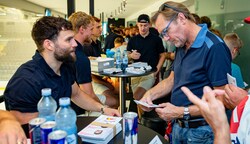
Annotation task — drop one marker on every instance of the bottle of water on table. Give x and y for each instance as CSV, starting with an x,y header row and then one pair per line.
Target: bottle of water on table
x,y
124,61
66,120
118,58
47,105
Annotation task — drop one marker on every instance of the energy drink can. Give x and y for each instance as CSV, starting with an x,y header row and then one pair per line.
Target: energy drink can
x,y
35,130
57,137
47,128
130,128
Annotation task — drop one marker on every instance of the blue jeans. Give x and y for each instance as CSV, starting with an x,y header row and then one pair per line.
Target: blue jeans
x,y
199,135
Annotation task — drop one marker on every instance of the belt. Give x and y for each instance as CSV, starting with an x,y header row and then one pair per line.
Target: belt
x,y
191,123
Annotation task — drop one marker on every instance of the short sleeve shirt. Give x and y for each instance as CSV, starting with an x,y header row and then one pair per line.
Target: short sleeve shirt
x,y
149,47
82,65
23,91
206,63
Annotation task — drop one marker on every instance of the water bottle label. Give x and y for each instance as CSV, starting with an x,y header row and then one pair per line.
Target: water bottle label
x,y
71,139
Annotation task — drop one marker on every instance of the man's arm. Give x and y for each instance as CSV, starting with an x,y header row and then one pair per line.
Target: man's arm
x,y
88,89
11,131
160,62
161,89
86,102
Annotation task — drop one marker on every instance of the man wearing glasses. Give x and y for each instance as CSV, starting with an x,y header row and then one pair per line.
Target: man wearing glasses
x,y
201,59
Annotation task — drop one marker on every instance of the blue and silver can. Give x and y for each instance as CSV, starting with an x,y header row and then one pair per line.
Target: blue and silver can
x,y
35,130
130,128
57,137
47,128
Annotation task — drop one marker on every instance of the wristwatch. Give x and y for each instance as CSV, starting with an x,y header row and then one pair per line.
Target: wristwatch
x,y
102,109
186,115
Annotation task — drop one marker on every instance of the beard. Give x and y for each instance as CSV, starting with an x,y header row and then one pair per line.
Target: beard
x,y
87,41
64,55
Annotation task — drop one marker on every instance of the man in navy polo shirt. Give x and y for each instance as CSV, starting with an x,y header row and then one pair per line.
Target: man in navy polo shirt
x,y
51,67
145,47
83,27
202,59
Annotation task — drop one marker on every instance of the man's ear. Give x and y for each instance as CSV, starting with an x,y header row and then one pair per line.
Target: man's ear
x,y
48,44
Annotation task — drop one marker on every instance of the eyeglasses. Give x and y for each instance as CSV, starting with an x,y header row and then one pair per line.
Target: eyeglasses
x,y
165,30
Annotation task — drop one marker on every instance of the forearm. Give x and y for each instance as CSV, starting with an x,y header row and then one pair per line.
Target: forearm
x,y
83,100
161,61
222,135
88,89
6,115
161,89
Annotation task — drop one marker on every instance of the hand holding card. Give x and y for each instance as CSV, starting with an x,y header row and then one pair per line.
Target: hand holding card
x,y
146,104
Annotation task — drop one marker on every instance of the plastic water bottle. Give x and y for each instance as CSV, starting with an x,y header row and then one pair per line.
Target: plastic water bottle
x,y
47,105
66,120
118,58
124,61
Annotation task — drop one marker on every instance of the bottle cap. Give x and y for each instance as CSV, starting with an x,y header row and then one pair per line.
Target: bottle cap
x,y
46,91
64,101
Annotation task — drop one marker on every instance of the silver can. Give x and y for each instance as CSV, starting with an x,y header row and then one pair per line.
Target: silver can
x,y
46,129
35,130
130,128
57,137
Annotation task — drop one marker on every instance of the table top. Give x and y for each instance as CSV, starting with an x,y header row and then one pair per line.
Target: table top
x,y
123,74
145,135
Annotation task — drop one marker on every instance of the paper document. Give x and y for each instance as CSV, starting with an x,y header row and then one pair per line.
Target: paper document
x,y
146,104
231,79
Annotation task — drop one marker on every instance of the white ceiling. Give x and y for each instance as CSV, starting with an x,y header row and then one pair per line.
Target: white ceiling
x,y
106,6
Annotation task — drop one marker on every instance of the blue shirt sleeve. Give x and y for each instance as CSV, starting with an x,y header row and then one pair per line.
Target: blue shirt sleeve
x,y
218,64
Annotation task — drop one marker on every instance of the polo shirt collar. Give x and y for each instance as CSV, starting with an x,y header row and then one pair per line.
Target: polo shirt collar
x,y
149,34
42,64
200,38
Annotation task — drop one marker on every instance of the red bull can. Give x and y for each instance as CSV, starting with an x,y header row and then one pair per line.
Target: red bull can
x,y
57,137
130,128
35,130
47,128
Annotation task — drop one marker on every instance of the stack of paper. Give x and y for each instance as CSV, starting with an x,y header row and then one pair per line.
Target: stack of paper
x,y
101,130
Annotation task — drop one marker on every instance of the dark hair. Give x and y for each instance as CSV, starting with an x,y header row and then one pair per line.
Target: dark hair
x,y
48,27
119,40
170,9
206,20
197,18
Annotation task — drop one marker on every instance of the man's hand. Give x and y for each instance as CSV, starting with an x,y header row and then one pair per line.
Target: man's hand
x,y
111,112
169,111
11,132
233,96
135,55
147,99
213,111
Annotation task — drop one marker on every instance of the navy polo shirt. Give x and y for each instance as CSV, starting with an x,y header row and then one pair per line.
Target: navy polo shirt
x,y
149,47
206,63
82,65
23,91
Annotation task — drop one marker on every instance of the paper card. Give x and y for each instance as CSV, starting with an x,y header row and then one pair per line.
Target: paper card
x,y
231,80
155,140
146,104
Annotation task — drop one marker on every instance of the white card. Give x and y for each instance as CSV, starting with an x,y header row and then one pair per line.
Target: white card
x,y
231,80
155,140
146,104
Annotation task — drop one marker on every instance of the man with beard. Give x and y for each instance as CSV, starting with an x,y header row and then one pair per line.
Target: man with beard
x,y
51,67
83,27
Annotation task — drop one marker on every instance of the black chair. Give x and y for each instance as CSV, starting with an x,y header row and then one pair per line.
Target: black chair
x,y
1,98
